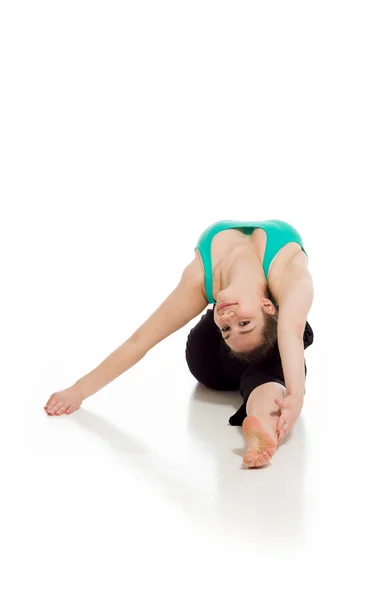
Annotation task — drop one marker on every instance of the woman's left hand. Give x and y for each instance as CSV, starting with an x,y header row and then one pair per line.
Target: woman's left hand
x,y
290,408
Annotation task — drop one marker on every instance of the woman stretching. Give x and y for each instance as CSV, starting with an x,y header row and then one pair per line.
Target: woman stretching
x,y
255,273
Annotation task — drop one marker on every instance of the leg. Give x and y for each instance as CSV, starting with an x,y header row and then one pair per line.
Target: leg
x,y
260,425
208,360
267,370
261,404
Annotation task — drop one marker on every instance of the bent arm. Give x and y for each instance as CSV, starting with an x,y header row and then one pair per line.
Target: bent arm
x,y
184,303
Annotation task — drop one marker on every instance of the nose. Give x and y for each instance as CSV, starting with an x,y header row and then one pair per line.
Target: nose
x,y
228,315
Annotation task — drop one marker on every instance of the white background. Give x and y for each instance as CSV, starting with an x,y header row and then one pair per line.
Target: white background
x,y
126,129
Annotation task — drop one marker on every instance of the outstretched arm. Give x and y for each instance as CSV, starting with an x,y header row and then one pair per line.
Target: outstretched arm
x,y
184,303
294,304
290,345
295,300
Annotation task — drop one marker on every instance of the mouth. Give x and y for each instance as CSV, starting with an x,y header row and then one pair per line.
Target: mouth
x,y
225,304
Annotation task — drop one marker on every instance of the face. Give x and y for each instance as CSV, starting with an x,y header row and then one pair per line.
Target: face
x,y
240,324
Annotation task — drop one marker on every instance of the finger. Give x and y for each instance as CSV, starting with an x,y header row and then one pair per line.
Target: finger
x,y
279,424
70,410
54,403
284,431
282,422
279,402
52,400
48,403
53,409
49,399
61,410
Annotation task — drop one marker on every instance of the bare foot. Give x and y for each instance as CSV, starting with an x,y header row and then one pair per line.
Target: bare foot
x,y
261,444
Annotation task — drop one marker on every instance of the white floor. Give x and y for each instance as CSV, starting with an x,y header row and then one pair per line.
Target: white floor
x,y
144,489
127,129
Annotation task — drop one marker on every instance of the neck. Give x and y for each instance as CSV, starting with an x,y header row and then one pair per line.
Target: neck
x,y
245,273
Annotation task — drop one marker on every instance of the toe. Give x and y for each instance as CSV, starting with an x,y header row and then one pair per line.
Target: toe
x,y
249,458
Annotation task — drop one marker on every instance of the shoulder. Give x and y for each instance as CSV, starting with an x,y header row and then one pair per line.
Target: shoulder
x,y
283,275
193,275
296,277
194,270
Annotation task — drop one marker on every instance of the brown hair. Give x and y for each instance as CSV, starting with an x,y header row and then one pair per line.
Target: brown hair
x,y
268,337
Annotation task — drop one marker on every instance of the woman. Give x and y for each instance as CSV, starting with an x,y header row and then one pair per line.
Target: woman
x,y
256,275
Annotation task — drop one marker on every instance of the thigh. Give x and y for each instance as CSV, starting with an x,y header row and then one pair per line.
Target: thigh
x,y
208,360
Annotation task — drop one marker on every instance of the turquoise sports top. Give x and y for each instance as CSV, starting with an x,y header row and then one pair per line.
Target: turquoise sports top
x,y
278,233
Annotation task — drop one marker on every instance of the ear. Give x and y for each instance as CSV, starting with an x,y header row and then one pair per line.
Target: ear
x,y
268,306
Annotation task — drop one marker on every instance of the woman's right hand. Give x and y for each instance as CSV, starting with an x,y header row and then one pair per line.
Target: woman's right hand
x,y
63,402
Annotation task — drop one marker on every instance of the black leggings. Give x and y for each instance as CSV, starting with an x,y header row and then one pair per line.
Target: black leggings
x,y
211,364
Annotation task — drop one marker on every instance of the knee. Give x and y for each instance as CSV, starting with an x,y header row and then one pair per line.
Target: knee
x,y
196,361
202,345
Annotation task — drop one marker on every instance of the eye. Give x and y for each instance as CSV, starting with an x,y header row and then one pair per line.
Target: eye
x,y
242,323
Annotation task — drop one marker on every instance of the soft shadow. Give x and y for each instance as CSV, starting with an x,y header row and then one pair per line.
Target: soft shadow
x,y
265,503
268,501
164,473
